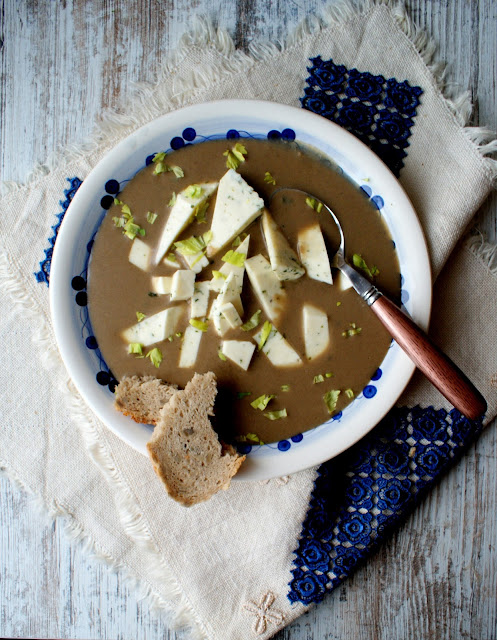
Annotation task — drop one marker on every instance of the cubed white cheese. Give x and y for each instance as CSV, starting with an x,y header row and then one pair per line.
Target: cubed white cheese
x,y
181,215
154,328
189,347
316,331
162,284
139,254
227,268
343,282
230,293
200,300
313,254
238,351
196,262
237,205
284,261
182,284
278,350
231,314
266,286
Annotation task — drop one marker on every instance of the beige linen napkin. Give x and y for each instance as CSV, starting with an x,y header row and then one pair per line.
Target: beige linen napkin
x,y
223,567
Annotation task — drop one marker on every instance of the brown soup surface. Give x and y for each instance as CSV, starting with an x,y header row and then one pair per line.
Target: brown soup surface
x,y
117,289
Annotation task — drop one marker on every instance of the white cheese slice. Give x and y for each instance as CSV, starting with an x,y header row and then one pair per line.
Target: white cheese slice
x,y
343,282
227,268
316,331
162,284
229,294
196,262
189,347
278,350
284,261
313,254
182,284
181,215
238,351
139,254
266,285
237,205
154,328
231,314
221,325
200,300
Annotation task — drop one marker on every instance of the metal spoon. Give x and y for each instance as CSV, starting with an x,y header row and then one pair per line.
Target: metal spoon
x,y
436,366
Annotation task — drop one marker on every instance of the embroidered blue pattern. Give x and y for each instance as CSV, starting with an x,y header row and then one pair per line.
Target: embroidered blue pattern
x,y
378,111
43,275
360,496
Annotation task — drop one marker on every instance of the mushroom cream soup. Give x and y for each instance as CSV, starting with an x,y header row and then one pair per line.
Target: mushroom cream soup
x,y
190,272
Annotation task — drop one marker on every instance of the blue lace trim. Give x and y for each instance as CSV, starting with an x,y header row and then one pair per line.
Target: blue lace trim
x,y
361,496
43,275
378,111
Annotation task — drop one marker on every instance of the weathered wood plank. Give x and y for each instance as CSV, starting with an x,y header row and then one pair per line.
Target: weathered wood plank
x,y
61,63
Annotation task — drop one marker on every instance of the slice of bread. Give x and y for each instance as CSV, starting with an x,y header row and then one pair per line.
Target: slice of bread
x,y
143,398
185,450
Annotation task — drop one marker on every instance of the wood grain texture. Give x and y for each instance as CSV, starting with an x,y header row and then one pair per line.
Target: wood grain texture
x,y
61,64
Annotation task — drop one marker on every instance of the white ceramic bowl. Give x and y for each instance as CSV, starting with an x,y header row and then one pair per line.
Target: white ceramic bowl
x,y
222,119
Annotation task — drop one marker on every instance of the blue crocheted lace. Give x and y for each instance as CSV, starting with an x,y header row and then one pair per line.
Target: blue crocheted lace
x,y
43,275
360,496
379,111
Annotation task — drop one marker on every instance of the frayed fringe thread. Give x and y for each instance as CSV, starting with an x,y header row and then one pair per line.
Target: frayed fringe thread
x,y
175,603
484,250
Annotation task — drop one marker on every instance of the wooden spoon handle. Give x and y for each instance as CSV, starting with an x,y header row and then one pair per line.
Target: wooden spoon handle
x,y
436,366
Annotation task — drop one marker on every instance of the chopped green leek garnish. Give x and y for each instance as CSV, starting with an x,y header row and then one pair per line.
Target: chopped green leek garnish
x,y
318,378
119,222
178,334
171,257
118,202
221,355
235,156
360,263
261,402
159,157
201,325
172,202
238,240
234,258
217,274
353,331
125,209
155,357
276,415
160,167
178,171
266,330
193,191
140,316
191,246
328,375
314,204
135,347
331,398
243,394
200,213
269,178
151,217
349,393
251,322
285,387
339,303
249,438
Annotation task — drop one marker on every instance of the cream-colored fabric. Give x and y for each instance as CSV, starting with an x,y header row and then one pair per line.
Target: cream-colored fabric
x,y
223,567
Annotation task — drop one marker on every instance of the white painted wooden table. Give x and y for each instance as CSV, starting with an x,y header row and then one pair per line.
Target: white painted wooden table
x,y
61,63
